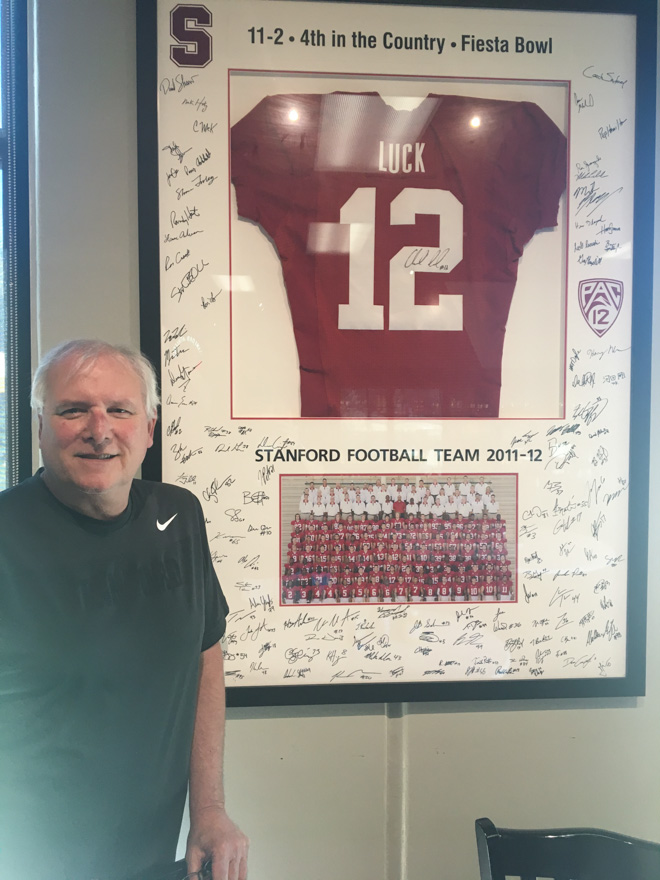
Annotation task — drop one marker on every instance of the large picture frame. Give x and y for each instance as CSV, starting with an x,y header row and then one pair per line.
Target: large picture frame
x,y
395,248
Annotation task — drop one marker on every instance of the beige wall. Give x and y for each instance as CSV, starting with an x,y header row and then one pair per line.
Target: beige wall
x,y
360,792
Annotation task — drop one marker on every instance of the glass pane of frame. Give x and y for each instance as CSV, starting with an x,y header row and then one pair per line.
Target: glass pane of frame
x,y
413,255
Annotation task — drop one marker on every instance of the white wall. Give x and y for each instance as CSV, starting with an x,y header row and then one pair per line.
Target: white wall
x,y
84,247
360,792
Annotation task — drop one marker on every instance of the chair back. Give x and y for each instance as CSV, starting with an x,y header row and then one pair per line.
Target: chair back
x,y
174,871
563,854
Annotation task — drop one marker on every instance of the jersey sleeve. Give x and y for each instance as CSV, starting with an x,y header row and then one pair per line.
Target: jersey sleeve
x,y
272,155
533,160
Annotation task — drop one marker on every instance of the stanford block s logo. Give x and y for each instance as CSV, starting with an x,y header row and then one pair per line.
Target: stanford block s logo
x,y
194,44
600,301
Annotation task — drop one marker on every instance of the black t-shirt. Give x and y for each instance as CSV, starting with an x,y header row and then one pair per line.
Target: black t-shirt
x,y
101,628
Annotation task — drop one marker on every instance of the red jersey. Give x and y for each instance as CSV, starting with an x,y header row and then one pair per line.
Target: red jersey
x,y
474,588
406,319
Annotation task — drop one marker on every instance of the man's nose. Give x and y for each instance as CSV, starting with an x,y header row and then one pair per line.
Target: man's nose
x,y
98,426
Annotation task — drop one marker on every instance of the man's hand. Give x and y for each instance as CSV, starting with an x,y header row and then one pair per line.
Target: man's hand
x,y
214,836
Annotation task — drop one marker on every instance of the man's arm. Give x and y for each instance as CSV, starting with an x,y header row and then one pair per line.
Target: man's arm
x,y
212,833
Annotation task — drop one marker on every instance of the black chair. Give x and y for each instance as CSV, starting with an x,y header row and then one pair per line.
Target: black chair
x,y
563,854
176,871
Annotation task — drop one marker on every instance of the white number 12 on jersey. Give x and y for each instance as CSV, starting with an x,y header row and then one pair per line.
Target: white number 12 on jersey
x,y
359,215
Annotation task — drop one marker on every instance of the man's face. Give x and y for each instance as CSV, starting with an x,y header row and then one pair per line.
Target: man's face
x,y
94,433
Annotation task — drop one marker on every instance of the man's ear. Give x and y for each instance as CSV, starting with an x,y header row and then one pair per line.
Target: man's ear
x,y
151,425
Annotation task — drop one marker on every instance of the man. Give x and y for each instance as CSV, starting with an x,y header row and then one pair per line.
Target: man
x,y
426,504
332,505
481,486
399,506
477,505
434,487
319,508
492,505
324,491
359,507
465,509
345,505
420,492
373,508
412,508
438,508
451,505
111,669
449,487
305,506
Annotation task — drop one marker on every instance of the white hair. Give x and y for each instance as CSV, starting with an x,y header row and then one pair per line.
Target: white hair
x,y
83,351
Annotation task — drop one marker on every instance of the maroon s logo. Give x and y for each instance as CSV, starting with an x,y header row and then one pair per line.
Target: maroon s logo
x,y
195,44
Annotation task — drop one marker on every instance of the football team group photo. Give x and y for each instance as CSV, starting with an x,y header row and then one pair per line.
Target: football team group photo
x,y
402,539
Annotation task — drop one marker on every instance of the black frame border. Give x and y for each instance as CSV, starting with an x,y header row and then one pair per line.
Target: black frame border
x,y
14,148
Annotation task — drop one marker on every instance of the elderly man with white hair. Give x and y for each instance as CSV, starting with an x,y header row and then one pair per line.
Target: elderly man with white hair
x,y
112,695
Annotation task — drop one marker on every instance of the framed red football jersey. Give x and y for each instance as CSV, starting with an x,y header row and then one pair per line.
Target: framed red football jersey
x,y
378,333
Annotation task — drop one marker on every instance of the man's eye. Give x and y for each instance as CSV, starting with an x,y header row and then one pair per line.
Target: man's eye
x,y
71,412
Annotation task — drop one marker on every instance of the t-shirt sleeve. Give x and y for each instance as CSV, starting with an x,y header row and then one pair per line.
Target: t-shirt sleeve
x,y
215,603
533,160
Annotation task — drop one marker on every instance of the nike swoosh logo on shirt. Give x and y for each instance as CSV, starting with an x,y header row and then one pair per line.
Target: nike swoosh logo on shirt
x,y
162,526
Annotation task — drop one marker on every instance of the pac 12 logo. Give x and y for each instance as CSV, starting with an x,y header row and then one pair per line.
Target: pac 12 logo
x,y
600,301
